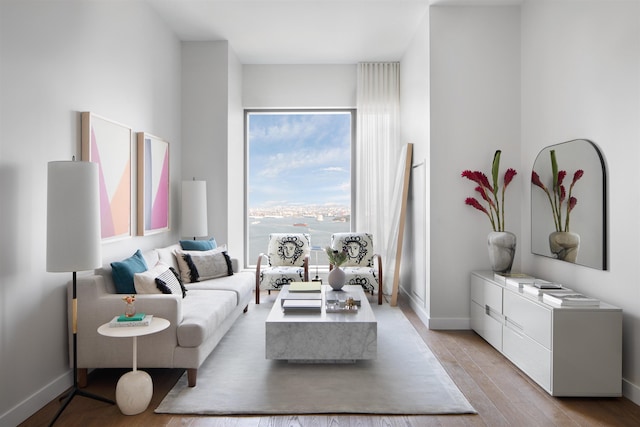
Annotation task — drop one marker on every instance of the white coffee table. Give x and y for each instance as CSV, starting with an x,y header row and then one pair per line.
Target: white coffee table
x,y
322,337
135,388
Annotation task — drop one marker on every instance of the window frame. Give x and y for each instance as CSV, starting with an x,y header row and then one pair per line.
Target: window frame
x,y
249,263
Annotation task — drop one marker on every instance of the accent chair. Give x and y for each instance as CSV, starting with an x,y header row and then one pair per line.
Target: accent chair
x,y
288,261
363,267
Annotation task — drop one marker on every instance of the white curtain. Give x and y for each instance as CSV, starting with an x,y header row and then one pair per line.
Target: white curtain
x,y
378,151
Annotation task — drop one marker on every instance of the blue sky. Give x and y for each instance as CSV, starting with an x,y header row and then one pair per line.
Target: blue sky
x,y
299,159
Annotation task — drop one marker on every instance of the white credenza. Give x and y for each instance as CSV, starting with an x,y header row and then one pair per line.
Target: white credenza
x,y
572,351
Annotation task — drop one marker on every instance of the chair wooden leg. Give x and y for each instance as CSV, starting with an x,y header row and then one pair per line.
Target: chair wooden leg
x,y
192,374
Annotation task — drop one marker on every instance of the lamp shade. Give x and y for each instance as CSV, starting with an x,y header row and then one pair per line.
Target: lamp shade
x,y
73,217
194,208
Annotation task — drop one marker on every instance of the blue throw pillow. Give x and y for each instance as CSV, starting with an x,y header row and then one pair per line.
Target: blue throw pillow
x,y
198,245
123,271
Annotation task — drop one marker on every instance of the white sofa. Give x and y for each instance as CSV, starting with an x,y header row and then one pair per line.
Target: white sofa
x,y
198,321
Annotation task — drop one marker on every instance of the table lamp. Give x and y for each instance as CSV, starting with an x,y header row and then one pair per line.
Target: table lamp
x,y
73,237
194,208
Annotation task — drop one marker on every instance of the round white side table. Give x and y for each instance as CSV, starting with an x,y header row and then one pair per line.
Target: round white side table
x,y
135,388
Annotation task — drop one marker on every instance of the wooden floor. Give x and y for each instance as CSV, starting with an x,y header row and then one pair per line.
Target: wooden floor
x,y
502,395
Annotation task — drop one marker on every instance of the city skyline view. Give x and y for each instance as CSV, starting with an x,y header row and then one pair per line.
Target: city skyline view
x,y
299,163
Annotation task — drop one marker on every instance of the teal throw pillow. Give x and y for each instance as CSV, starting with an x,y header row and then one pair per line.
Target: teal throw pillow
x,y
198,245
123,271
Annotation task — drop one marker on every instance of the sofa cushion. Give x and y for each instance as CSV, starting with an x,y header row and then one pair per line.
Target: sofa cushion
x,y
124,270
242,284
159,279
203,312
196,266
198,245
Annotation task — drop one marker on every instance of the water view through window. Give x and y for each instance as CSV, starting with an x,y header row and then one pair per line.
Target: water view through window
x,y
298,177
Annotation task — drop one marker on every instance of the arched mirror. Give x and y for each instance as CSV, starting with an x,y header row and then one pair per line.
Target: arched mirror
x,y
568,204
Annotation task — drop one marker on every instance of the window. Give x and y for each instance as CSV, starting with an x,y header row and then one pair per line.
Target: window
x,y
299,167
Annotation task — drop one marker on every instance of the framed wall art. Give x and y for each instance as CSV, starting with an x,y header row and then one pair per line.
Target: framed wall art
x,y
109,144
153,184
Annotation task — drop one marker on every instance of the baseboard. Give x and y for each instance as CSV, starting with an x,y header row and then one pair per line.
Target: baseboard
x,y
444,323
631,391
37,400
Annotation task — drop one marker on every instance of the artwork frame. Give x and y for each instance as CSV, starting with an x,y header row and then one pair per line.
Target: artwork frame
x,y
109,144
153,184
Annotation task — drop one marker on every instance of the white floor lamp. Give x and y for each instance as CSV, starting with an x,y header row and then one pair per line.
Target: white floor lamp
x,y
73,237
194,208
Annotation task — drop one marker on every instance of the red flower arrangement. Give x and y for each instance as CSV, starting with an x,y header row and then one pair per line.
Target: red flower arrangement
x,y
558,194
489,192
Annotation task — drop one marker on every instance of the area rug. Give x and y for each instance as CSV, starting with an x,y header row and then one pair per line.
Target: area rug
x,y
236,379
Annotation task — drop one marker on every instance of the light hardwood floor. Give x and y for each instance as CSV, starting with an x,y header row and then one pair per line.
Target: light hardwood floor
x,y
502,395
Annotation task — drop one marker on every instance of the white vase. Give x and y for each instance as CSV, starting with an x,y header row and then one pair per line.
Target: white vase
x,y
564,245
336,278
502,250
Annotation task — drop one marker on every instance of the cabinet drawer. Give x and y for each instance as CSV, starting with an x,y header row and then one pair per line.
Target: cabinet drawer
x,y
528,355
528,318
486,293
487,324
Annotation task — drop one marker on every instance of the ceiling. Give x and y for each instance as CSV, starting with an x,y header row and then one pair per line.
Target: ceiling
x,y
299,31
305,31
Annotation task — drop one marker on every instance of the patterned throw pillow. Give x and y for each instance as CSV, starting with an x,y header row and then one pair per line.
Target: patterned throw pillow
x,y
160,279
169,283
196,266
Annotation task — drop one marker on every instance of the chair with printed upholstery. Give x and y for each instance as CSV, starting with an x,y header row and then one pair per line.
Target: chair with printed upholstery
x,y
363,266
288,261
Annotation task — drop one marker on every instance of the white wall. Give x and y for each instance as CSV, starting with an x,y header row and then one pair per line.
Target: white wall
x,y
299,86
205,130
115,59
415,128
581,79
475,110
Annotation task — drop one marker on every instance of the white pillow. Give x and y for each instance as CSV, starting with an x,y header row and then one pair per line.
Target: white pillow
x,y
158,280
196,266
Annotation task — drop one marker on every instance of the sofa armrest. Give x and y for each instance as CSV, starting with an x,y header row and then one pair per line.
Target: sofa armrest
x,y
97,306
100,306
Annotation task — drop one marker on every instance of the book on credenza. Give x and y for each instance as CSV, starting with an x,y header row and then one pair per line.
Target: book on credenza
x,y
305,287
291,305
145,320
569,299
502,277
538,292
518,282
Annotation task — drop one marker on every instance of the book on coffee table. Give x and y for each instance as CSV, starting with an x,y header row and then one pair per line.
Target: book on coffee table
x,y
287,295
307,305
305,287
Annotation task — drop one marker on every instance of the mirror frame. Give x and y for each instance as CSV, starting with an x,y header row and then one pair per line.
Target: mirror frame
x,y
571,156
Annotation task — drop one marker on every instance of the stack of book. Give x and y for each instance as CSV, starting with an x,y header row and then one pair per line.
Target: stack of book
x,y
502,277
302,297
539,289
517,283
568,299
312,287
138,319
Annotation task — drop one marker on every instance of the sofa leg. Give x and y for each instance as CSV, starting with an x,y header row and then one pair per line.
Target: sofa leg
x,y
192,374
246,309
82,377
